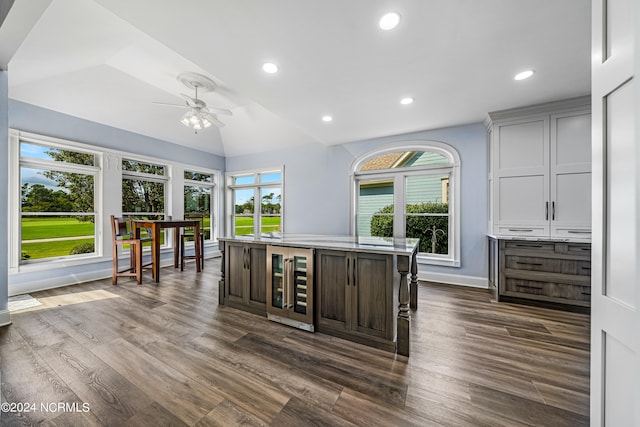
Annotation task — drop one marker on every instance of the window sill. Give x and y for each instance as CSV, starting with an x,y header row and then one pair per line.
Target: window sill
x,y
445,262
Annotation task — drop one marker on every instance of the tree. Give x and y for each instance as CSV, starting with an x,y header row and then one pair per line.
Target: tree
x,y
140,195
38,198
80,187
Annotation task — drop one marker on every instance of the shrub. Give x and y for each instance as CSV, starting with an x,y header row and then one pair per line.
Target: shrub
x,y
421,227
84,248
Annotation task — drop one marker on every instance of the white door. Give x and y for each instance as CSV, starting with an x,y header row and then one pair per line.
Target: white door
x,y
615,319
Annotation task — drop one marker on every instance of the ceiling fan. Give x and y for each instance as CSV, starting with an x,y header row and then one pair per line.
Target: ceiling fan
x,y
198,115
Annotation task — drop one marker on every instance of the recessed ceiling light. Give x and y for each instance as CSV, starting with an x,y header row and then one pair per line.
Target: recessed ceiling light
x,y
389,21
524,75
406,101
269,67
327,118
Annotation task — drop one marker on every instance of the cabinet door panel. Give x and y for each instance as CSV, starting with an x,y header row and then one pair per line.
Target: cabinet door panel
x,y
257,273
571,140
522,200
572,200
372,291
331,281
523,146
235,275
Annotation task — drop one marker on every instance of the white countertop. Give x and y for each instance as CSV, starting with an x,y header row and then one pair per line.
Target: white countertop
x,y
385,245
539,238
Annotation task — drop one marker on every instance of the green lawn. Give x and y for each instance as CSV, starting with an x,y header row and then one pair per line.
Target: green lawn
x,y
244,224
51,249
50,227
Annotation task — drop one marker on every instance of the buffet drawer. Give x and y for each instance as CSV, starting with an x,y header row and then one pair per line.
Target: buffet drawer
x,y
548,291
550,265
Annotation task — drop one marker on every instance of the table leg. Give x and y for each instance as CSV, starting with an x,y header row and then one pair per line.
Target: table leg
x,y
196,244
176,246
155,252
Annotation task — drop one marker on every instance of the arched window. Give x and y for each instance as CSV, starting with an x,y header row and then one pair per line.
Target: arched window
x,y
411,190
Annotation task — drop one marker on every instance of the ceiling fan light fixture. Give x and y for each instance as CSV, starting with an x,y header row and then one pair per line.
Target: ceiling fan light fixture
x,y
205,122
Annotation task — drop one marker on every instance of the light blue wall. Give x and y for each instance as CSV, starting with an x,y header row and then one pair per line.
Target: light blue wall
x,y
4,186
317,188
30,118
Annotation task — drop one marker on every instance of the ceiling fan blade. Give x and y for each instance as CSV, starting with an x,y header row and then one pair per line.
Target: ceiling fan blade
x,y
191,102
213,119
220,111
171,105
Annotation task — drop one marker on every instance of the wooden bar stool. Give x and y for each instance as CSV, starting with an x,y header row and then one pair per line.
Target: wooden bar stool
x,y
122,234
188,234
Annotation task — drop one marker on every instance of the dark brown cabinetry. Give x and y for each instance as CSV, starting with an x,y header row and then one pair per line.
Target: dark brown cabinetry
x,y
549,273
355,295
245,277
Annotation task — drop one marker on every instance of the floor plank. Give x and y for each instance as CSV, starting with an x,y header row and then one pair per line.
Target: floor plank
x,y
168,354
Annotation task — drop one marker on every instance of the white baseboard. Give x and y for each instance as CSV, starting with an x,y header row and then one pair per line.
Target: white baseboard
x,y
5,318
454,279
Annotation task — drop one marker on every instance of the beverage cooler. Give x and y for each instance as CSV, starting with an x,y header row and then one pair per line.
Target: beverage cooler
x,y
290,286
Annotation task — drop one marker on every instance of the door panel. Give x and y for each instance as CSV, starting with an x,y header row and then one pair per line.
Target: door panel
x,y
257,276
235,275
332,280
371,304
615,319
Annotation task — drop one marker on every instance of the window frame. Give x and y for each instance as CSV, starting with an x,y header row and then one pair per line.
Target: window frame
x,y
398,176
150,177
15,214
213,235
257,186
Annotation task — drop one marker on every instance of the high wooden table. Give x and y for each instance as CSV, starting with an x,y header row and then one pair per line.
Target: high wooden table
x,y
176,224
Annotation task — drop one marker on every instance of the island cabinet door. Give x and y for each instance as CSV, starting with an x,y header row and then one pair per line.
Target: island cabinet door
x,y
245,277
371,286
331,290
235,272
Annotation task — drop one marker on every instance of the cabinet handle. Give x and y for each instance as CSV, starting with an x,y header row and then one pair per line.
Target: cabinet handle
x,y
354,272
587,294
528,263
528,246
529,287
285,289
586,268
244,258
348,275
578,232
546,211
521,229
553,211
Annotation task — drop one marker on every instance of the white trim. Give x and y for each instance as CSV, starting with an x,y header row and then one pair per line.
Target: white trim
x,y
5,318
454,279
230,211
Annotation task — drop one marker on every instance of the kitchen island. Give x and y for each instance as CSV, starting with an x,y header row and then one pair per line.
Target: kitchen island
x,y
355,288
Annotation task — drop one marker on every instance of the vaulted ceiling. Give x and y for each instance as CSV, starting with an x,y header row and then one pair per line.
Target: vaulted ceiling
x,y
108,61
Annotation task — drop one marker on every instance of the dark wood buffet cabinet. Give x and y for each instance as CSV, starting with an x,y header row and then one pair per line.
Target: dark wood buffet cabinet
x,y
550,273
356,289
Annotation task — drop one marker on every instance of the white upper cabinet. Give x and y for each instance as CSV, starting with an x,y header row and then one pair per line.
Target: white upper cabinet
x,y
541,170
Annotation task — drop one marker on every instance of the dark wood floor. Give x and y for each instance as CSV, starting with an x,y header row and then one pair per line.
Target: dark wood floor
x,y
169,355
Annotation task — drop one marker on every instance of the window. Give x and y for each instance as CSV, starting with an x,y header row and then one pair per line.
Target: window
x,y
198,199
143,191
256,199
57,201
411,191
